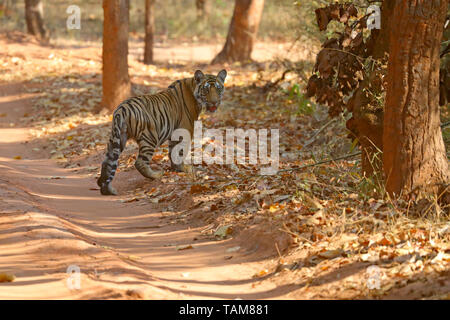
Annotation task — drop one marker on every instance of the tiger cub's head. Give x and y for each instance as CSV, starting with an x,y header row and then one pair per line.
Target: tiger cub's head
x,y
209,89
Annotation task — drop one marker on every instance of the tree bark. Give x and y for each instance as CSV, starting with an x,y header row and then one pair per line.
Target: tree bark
x,y
414,156
242,32
34,17
116,81
444,98
202,11
149,31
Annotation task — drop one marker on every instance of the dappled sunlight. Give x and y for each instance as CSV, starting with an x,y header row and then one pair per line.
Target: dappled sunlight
x,y
313,229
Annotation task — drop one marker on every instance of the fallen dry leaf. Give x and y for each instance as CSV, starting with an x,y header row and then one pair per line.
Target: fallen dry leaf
x,y
5,277
184,247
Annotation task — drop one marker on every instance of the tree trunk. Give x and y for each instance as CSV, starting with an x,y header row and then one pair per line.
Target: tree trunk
x,y
149,30
414,156
116,82
444,98
34,13
202,11
242,32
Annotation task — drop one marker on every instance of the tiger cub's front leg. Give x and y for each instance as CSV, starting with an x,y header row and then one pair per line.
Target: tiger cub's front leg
x,y
182,167
147,144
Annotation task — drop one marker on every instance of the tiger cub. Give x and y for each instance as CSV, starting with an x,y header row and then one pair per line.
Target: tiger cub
x,y
151,119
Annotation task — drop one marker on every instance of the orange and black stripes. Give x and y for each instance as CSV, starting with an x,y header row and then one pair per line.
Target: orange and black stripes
x,y
151,120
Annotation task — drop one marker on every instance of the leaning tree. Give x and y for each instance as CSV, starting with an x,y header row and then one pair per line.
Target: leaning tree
x,y
202,9
242,31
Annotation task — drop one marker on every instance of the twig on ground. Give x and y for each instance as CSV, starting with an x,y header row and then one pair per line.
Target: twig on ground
x,y
260,175
312,139
284,170
270,85
321,162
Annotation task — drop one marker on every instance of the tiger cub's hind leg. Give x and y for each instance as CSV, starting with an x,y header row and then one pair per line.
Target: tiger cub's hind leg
x,y
147,144
116,145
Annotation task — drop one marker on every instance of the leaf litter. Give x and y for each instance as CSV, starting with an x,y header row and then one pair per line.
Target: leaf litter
x,y
322,209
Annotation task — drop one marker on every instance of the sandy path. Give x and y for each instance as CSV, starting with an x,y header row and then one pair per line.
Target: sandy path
x,y
122,249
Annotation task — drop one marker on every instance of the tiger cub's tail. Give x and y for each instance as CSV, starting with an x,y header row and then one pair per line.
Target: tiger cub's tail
x,y
116,144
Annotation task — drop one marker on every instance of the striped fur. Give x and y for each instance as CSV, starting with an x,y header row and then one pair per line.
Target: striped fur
x,y
151,119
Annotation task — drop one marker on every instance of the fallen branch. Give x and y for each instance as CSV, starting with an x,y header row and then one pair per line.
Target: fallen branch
x,y
313,138
260,175
284,170
321,162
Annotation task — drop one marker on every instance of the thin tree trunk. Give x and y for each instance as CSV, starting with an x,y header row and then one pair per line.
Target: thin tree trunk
x,y
242,32
149,31
116,82
202,11
34,17
414,156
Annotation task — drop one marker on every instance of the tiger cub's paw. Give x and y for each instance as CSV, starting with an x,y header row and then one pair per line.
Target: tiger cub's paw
x,y
146,171
107,190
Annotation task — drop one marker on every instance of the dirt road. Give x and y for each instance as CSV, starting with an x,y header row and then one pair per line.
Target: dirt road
x,y
53,218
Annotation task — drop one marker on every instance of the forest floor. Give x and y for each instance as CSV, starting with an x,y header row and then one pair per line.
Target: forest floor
x,y
318,233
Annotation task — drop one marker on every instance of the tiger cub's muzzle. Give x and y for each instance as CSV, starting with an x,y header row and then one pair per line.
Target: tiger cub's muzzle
x,y
212,106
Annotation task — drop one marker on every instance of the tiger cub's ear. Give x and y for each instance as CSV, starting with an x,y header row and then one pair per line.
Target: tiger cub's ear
x,y
222,75
198,76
